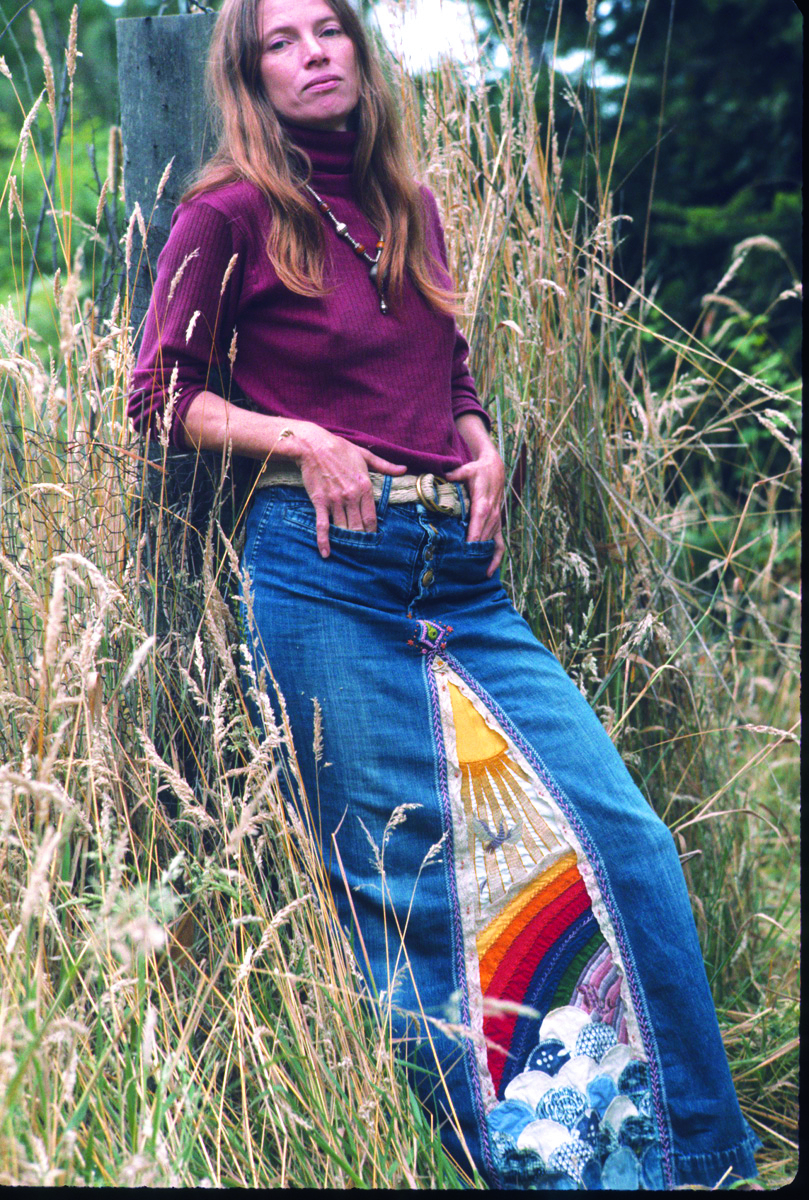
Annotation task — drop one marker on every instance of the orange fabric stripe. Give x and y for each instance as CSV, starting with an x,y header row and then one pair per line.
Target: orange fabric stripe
x,y
490,934
496,953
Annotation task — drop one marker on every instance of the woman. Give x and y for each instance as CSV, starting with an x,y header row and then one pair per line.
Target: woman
x,y
527,872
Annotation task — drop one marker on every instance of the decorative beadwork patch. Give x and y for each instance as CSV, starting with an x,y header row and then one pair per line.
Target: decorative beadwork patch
x,y
431,636
561,1062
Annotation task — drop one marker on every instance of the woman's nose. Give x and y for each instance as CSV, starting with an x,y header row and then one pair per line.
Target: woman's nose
x,y
313,49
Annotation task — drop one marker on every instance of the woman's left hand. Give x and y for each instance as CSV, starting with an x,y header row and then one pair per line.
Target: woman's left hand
x,y
485,477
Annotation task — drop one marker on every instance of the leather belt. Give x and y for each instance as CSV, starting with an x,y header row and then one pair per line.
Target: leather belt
x,y
433,491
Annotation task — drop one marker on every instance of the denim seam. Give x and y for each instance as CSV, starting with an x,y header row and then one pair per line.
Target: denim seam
x,y
259,534
460,957
650,1043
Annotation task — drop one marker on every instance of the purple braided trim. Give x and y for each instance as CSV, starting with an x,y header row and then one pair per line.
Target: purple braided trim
x,y
460,956
595,863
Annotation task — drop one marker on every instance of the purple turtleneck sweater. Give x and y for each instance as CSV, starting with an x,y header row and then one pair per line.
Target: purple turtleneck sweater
x,y
392,383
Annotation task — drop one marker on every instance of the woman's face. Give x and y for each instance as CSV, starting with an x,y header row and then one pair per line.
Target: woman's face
x,y
308,64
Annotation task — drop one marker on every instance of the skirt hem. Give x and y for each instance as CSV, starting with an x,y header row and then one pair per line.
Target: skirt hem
x,y
729,1166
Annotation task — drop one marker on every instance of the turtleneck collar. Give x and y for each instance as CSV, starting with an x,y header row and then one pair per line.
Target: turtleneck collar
x,y
331,153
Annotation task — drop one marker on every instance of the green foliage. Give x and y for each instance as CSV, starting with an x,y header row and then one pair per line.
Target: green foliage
x,y
96,87
82,161
91,99
708,150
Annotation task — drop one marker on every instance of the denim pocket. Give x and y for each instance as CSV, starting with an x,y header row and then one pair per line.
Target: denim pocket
x,y
483,549
302,516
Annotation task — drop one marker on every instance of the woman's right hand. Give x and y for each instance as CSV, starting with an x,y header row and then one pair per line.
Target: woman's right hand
x,y
334,470
335,475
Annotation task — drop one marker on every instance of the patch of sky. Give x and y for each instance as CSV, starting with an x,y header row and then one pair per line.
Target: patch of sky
x,y
577,63
424,33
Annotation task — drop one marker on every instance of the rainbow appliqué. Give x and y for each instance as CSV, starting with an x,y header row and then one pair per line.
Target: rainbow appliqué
x,y
563,1076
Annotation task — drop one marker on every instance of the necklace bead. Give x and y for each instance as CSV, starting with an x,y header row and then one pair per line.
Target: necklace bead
x,y
341,229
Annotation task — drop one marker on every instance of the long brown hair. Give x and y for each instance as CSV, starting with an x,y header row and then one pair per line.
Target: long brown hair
x,y
254,145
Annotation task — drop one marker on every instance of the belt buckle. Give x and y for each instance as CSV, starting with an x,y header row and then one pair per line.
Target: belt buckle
x,y
427,501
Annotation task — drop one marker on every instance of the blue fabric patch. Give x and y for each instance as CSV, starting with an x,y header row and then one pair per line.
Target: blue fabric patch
x,y
565,1105
634,1079
569,1158
621,1171
517,1168
587,1128
651,1170
595,1040
501,1143
601,1091
591,1175
511,1117
596,1158
637,1133
607,1141
549,1056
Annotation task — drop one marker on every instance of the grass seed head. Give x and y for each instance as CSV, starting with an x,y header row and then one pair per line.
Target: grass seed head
x,y
47,65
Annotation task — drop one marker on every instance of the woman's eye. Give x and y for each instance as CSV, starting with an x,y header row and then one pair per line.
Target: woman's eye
x,y
331,31
276,45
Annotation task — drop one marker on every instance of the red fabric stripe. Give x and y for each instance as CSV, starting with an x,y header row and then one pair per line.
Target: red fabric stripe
x,y
513,977
493,957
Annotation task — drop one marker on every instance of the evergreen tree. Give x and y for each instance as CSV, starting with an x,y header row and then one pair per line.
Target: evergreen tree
x,y
711,133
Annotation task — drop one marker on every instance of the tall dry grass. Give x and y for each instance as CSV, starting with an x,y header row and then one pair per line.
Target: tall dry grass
x,y
178,1003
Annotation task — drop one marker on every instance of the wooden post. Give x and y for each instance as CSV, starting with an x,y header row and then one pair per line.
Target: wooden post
x,y
161,73
164,116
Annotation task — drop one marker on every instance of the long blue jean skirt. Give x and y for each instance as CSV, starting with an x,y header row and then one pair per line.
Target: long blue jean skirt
x,y
522,913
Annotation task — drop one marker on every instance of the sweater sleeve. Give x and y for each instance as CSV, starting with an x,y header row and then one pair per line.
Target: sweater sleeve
x,y
464,393
191,318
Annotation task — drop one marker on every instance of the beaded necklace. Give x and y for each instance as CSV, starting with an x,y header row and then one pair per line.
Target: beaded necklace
x,y
341,229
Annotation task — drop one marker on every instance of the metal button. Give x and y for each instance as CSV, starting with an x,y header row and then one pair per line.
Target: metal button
x,y
427,577
429,553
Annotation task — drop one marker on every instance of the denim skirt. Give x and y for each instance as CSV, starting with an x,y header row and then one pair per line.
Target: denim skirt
x,y
517,907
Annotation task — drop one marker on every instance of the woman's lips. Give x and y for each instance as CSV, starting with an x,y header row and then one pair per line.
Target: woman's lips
x,y
322,85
